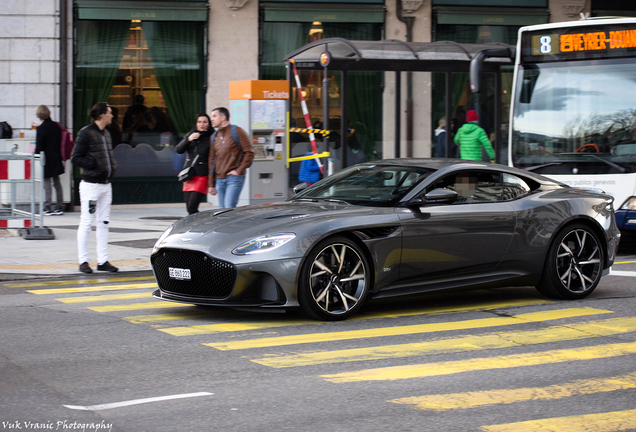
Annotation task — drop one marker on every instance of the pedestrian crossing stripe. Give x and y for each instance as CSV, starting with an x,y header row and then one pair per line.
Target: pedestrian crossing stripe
x,y
467,343
86,299
406,330
93,289
603,422
263,324
581,387
77,282
485,363
138,306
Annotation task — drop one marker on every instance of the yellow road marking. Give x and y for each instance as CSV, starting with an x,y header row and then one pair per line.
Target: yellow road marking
x,y
500,362
139,319
442,402
625,262
452,345
86,299
93,288
138,306
404,330
77,282
604,422
257,325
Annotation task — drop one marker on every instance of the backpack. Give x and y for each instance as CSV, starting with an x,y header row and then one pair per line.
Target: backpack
x,y
6,131
66,143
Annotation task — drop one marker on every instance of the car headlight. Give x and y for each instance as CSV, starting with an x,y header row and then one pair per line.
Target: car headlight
x,y
263,244
161,238
630,204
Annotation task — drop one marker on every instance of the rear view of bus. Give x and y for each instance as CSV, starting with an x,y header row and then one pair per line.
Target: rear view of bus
x,y
573,114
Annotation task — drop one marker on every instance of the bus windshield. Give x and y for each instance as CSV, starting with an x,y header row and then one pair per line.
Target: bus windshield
x,y
575,117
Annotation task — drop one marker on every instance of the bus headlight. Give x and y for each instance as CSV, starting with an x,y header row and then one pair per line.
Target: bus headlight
x,y
630,204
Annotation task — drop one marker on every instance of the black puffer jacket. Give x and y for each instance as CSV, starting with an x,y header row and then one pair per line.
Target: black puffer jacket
x,y
93,152
199,146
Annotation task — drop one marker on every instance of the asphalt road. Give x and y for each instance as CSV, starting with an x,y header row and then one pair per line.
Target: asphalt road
x,y
97,353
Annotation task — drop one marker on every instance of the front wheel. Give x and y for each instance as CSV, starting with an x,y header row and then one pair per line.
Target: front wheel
x,y
334,281
574,264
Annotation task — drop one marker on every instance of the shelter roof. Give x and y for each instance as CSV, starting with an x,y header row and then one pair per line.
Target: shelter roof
x,y
396,55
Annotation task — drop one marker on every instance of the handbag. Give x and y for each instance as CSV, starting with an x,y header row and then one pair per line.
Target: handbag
x,y
187,173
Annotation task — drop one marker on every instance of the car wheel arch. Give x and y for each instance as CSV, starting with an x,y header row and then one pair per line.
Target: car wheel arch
x,y
354,238
590,223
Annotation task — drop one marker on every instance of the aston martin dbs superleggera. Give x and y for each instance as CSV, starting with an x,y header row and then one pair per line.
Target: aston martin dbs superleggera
x,y
388,228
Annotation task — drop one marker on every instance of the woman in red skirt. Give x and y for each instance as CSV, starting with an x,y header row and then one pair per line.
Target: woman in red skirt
x,y
196,143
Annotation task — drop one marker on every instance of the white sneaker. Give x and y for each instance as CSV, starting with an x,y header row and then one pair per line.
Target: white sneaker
x,y
57,212
47,212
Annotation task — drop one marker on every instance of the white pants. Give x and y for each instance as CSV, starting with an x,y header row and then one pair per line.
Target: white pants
x,y
102,195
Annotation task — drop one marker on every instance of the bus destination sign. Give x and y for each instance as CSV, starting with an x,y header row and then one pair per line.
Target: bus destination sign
x,y
566,43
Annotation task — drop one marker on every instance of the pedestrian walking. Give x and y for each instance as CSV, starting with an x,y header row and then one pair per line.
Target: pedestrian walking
x,y
93,153
196,144
470,138
230,155
48,139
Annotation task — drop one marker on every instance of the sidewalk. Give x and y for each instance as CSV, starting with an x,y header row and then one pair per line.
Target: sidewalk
x,y
133,232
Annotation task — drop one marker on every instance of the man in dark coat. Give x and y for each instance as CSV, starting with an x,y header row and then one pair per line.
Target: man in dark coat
x,y
48,140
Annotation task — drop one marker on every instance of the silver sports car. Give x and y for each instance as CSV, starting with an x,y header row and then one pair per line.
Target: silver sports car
x,y
388,228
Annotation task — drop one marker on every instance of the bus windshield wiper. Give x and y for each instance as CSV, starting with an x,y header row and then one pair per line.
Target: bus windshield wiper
x,y
610,163
561,162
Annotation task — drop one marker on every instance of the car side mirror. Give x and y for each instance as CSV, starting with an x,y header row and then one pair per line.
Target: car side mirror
x,y
299,187
441,196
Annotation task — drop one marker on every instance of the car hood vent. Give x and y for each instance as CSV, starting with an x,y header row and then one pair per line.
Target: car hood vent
x,y
284,215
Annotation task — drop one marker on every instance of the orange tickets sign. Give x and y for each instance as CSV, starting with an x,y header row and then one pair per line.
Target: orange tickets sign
x,y
259,89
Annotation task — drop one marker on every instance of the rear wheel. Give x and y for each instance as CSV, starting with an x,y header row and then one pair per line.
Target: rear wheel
x,y
574,264
334,280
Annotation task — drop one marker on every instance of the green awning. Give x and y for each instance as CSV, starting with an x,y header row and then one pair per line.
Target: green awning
x,y
144,11
299,12
491,16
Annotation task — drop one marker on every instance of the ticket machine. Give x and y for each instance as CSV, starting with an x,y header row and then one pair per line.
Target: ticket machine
x,y
259,107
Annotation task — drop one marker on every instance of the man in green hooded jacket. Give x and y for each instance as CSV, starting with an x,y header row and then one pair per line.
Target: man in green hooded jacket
x,y
470,137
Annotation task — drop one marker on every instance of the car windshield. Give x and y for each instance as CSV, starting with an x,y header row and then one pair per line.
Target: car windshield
x,y
367,184
575,113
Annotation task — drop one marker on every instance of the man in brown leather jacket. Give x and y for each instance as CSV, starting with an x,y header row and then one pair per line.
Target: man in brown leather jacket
x,y
228,160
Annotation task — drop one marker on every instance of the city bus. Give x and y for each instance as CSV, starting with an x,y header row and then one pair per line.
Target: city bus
x,y
573,107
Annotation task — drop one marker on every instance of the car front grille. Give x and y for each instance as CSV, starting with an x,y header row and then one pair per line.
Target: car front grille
x,y
210,278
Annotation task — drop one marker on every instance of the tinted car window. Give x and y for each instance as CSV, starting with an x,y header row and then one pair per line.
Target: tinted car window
x,y
473,186
514,187
367,184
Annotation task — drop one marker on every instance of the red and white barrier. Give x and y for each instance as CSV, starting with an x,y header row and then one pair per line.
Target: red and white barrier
x,y
15,169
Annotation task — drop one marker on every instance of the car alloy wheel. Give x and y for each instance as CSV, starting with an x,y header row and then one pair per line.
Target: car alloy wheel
x,y
335,280
575,264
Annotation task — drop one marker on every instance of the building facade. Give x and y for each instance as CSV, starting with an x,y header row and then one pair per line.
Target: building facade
x,y
159,63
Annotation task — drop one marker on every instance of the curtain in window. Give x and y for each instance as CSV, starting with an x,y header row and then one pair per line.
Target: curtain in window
x,y
175,50
279,39
100,46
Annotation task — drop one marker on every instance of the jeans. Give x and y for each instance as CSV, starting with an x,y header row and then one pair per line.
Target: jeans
x,y
102,196
229,189
48,193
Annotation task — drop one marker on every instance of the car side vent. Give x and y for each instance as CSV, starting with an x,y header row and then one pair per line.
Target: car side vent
x,y
378,232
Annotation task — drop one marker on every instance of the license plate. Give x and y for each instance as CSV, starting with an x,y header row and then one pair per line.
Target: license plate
x,y
179,273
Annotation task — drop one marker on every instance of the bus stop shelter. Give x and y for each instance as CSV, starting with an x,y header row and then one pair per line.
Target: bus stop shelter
x,y
447,57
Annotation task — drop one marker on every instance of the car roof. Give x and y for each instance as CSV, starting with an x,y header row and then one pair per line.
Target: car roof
x,y
450,165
